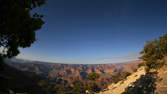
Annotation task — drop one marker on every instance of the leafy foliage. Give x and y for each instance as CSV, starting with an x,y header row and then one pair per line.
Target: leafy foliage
x,y
140,65
92,86
18,25
93,76
154,51
78,88
17,29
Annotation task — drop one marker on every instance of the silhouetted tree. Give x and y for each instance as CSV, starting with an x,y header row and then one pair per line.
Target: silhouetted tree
x,y
17,29
18,25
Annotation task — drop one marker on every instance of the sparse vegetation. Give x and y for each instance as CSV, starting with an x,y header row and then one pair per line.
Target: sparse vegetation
x,y
78,88
92,86
118,77
140,65
145,85
93,76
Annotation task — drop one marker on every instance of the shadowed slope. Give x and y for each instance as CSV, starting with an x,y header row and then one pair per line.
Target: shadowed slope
x,y
16,81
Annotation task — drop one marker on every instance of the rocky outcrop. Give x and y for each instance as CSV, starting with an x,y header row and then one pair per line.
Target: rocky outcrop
x,y
120,87
153,81
161,84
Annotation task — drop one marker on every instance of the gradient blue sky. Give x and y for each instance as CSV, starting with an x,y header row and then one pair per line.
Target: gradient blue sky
x,y
96,31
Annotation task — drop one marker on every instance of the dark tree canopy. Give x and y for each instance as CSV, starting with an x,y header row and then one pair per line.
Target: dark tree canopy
x,y
78,88
154,52
92,86
18,25
93,76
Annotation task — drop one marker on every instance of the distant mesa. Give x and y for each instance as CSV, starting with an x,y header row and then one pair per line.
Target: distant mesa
x,y
73,72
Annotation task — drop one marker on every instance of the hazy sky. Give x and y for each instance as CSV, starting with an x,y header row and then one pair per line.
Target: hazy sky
x,y
96,31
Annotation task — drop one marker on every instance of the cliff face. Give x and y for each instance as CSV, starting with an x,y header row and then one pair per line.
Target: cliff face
x,y
161,84
141,82
119,88
161,87
69,73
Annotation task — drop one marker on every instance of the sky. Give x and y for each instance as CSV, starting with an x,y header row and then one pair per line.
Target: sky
x,y
96,31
